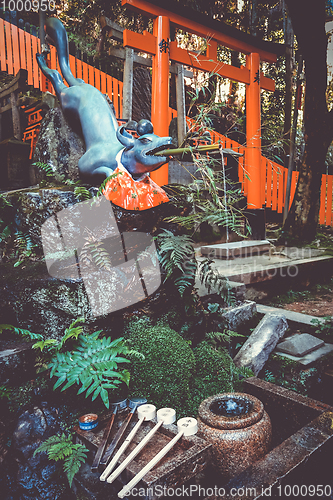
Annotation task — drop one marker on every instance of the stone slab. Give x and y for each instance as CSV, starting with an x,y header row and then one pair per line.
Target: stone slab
x,y
236,316
296,317
257,348
310,358
247,248
300,345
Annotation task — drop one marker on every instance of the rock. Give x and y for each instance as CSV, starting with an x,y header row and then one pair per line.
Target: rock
x,y
87,485
33,208
237,316
300,345
256,350
32,299
59,146
34,477
16,362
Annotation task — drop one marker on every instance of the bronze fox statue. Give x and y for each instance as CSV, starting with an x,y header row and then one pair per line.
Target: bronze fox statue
x,y
106,143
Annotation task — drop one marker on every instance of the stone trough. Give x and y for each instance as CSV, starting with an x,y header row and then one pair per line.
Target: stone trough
x,y
302,441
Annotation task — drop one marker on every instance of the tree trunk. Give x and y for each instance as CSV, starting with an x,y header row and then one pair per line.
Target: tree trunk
x,y
309,25
290,63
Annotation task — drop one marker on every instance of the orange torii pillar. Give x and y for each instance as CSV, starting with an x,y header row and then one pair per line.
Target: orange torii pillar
x,y
160,89
255,187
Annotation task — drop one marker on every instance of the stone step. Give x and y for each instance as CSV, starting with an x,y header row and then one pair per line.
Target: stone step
x,y
291,316
249,270
236,249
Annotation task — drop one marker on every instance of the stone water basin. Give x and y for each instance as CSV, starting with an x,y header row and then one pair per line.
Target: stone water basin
x,y
301,451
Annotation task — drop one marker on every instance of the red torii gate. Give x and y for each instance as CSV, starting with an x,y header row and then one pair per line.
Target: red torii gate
x,y
163,50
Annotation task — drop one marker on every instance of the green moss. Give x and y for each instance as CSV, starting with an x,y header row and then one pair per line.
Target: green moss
x,y
164,375
215,373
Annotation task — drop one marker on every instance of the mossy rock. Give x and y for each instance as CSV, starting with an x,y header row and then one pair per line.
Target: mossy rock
x,y
163,377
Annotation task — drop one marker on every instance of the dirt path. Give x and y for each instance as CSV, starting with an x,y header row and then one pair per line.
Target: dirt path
x,y
315,307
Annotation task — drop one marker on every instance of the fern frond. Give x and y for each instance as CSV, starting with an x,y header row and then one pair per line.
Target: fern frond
x,y
74,461
26,334
47,344
94,251
72,332
93,365
176,254
214,280
81,193
45,167
55,446
5,233
104,183
60,447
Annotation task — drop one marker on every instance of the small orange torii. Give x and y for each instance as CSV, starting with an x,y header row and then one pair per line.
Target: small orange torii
x,y
163,50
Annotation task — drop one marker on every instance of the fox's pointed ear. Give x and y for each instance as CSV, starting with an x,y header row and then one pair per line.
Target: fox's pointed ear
x,y
125,138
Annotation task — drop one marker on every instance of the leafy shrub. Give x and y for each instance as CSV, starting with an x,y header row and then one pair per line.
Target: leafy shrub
x,y
324,328
163,376
93,365
215,373
92,362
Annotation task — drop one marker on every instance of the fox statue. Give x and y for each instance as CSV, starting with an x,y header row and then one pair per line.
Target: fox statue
x,y
107,144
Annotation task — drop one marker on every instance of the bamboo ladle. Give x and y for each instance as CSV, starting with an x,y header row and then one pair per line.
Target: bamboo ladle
x,y
164,416
146,412
186,427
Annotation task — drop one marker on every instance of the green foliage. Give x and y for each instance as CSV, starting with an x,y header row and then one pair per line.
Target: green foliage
x,y
26,334
81,193
214,280
94,251
218,338
104,183
176,255
52,176
93,365
4,392
91,362
13,242
214,373
62,448
45,167
163,376
24,246
208,202
324,328
174,251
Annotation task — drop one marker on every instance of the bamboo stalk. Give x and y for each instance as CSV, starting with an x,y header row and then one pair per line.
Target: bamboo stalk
x,y
196,149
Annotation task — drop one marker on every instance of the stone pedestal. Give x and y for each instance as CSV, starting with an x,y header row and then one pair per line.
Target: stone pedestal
x,y
14,164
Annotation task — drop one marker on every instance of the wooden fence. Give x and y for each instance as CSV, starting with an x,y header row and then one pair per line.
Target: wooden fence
x,y
274,179
18,46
